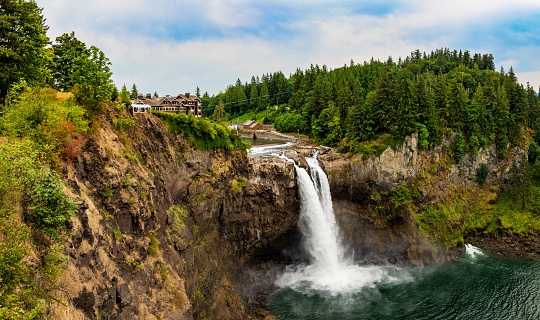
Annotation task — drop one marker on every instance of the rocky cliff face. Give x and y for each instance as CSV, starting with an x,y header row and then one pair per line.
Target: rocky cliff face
x,y
357,184
160,224
163,230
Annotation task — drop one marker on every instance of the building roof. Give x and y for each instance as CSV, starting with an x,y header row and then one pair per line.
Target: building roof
x,y
181,98
248,123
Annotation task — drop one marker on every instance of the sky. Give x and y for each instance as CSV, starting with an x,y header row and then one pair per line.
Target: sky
x,y
175,46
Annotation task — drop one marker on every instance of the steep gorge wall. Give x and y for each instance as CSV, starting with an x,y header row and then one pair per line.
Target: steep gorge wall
x,y
358,183
159,224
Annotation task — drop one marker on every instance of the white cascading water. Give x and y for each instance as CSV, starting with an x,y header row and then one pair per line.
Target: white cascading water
x,y
329,269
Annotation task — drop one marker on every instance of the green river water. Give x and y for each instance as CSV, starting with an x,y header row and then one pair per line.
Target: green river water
x,y
476,286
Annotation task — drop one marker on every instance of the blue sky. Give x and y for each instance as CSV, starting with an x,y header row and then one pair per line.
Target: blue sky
x,y
173,46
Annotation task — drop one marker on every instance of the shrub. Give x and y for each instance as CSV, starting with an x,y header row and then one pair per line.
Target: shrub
x,y
127,180
50,208
124,123
203,134
55,126
106,192
423,135
21,172
482,174
154,244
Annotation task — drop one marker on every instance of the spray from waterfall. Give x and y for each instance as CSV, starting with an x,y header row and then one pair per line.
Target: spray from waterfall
x,y
329,268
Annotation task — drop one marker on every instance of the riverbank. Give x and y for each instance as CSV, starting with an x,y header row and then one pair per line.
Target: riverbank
x,y
509,245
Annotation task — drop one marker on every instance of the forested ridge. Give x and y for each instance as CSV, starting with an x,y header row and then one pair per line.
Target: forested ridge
x,y
436,94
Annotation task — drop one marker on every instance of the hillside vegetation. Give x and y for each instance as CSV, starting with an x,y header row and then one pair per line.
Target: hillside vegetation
x,y
433,94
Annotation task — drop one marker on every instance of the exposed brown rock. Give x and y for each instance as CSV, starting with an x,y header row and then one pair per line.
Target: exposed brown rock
x,y
130,183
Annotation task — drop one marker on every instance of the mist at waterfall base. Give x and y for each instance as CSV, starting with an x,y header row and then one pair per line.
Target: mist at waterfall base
x,y
331,286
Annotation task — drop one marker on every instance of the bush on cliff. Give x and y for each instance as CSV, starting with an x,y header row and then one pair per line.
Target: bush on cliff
x,y
31,193
56,126
201,133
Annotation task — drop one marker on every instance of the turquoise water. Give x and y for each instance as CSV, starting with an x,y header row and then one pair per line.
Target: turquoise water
x,y
476,286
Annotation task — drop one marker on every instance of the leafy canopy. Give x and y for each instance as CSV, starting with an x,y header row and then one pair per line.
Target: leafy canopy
x,y
23,41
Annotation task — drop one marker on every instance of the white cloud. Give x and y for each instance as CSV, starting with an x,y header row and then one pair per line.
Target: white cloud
x,y
173,67
532,77
311,32
231,13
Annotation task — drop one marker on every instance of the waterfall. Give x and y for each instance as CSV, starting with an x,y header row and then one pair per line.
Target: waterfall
x,y
329,268
317,222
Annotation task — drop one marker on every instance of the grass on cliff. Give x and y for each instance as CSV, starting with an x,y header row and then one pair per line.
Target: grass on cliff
x,y
480,210
201,133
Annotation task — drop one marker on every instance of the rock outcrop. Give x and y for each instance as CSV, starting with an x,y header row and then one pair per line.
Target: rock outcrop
x,y
164,230
160,224
357,182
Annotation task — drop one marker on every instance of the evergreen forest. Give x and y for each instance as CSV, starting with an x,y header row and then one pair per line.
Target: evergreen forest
x,y
438,94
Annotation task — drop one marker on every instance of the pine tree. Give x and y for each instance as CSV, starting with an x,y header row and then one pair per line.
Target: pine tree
x,y
457,103
441,102
423,135
219,112
254,97
503,117
263,97
382,103
124,95
344,98
520,181
490,101
68,51
134,93
406,108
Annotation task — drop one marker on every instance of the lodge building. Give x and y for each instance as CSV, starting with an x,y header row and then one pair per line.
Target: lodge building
x,y
182,103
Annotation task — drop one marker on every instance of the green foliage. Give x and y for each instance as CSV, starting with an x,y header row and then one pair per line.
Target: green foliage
x,y
23,51
52,267
23,174
533,152
482,174
459,146
176,229
124,96
124,124
49,208
83,70
154,244
106,192
520,181
134,264
423,135
439,221
201,133
55,126
443,91
127,180
400,198
239,183
291,123
134,92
